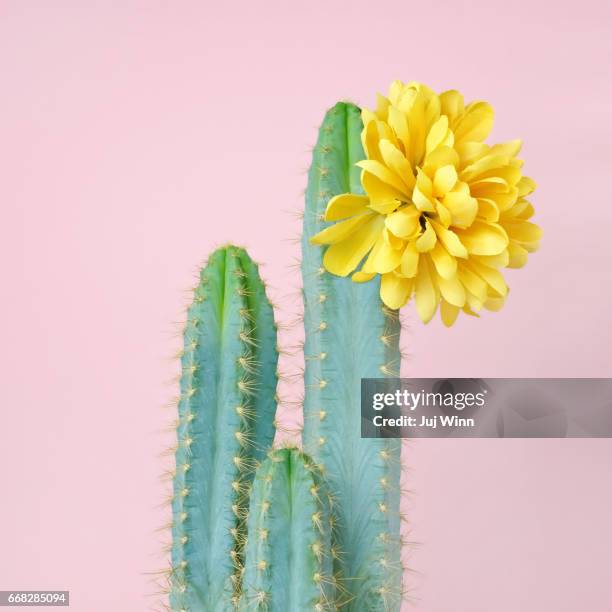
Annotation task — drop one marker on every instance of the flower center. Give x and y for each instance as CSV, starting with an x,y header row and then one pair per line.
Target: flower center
x,y
422,222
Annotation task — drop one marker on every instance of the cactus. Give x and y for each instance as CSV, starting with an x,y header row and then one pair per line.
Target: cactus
x,y
350,335
288,561
226,424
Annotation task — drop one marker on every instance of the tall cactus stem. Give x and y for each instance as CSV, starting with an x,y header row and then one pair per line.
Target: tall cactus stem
x,y
350,335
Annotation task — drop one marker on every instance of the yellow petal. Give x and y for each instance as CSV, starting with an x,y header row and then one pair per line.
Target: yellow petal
x,y
418,129
525,186
409,263
446,265
384,174
442,156
469,311
371,135
475,123
396,89
450,240
523,232
406,98
398,163
395,291
422,194
362,277
382,106
521,210
494,303
452,291
510,148
341,230
496,189
370,138
367,116
483,238
427,240
451,104
473,283
470,152
524,210
421,201
473,303
488,186
448,313
493,261
482,166
343,257
426,293
491,276
383,257
461,205
531,247
432,114
488,210
399,124
383,199
510,173
439,135
504,201
443,214
392,240
518,255
404,222
444,180
346,205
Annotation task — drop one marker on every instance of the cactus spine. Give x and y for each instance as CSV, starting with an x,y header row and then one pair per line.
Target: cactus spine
x,y
288,561
226,424
350,335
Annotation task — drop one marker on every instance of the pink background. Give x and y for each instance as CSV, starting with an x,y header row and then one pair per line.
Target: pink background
x,y
137,136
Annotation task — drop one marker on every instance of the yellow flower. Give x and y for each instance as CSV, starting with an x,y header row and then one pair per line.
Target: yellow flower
x,y
443,212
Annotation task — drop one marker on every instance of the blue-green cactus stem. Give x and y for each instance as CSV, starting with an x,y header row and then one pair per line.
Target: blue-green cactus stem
x,y
288,560
226,424
350,335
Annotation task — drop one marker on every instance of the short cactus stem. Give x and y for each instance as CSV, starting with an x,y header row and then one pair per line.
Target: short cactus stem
x,y
288,561
349,335
226,424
